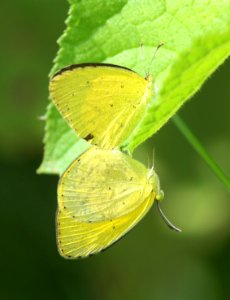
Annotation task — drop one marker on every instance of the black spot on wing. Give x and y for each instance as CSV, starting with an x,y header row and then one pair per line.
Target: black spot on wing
x,y
90,136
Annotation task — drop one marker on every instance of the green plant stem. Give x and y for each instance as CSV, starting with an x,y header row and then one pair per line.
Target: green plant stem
x,y
194,142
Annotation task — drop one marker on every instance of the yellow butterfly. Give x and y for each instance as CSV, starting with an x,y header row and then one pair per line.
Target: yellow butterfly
x,y
101,196
103,103
105,192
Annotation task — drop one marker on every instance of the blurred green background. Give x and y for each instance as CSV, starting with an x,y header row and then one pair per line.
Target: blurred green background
x,y
152,262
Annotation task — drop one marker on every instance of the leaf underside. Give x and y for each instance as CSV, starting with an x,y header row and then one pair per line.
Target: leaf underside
x,y
196,41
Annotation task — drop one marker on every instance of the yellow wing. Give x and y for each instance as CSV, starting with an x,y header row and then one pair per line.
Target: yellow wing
x,y
101,196
103,184
79,239
102,103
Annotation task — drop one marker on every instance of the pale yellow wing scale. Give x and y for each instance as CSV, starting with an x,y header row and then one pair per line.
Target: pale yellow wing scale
x,y
101,196
102,103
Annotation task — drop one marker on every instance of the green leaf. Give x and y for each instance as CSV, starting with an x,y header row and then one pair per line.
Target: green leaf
x,y
196,37
62,145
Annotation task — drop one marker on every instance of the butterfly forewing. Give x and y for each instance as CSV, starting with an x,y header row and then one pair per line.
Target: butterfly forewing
x,y
102,103
102,185
101,196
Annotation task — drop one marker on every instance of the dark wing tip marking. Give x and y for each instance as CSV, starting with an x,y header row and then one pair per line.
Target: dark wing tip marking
x,y
84,65
90,136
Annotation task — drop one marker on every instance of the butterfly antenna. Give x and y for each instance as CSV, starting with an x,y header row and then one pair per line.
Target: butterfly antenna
x,y
148,162
167,222
153,159
142,57
154,55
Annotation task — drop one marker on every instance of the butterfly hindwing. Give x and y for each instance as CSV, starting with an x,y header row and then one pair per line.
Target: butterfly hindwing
x,y
80,239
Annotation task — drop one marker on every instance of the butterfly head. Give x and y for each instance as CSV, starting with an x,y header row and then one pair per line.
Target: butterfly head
x,y
154,181
148,77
